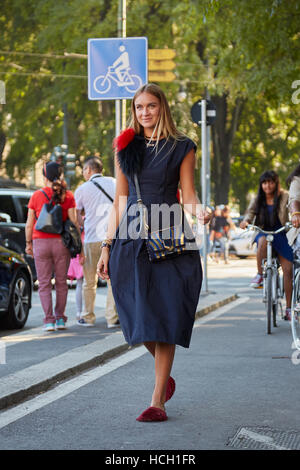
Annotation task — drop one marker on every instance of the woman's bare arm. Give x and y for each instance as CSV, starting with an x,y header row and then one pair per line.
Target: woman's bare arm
x,y
118,207
190,199
120,202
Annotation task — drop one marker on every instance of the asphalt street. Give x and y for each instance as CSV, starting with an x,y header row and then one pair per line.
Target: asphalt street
x,y
234,389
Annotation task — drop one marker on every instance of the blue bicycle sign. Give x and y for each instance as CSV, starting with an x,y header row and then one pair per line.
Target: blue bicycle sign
x,y
117,67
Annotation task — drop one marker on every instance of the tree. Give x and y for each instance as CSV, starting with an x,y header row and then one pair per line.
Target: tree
x,y
249,52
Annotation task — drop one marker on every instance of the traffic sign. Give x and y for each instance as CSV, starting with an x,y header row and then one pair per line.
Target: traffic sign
x,y
117,67
161,76
211,112
160,65
161,54
156,65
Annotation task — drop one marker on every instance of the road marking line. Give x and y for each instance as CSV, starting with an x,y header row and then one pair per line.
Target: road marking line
x,y
13,414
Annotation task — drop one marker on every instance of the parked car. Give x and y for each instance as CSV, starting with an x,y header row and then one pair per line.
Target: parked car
x,y
241,244
15,289
13,216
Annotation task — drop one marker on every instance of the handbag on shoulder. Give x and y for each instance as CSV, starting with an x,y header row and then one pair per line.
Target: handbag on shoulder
x,y
50,219
167,242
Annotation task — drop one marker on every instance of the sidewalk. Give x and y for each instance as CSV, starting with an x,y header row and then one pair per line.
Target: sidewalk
x,y
36,360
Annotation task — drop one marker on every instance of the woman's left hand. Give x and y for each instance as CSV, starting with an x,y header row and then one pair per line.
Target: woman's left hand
x,y
204,217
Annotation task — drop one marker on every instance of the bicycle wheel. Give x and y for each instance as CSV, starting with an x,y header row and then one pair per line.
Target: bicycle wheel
x,y
295,314
102,84
269,302
137,83
275,296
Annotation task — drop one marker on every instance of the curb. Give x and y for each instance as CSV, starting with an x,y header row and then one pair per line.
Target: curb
x,y
39,378
204,311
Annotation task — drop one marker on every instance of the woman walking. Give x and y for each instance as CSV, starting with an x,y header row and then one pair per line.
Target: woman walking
x,y
156,301
51,257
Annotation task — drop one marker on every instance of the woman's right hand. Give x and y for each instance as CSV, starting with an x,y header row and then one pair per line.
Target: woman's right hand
x,y
296,220
29,249
243,224
102,266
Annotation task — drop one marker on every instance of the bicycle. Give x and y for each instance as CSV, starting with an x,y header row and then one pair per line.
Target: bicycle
x,y
102,83
295,306
273,290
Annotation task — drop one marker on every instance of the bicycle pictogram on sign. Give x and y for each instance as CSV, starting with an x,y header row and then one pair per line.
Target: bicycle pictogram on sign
x,y
119,72
117,67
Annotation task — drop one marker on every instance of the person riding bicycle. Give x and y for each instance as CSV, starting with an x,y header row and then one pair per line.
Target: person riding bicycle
x,y
269,211
121,63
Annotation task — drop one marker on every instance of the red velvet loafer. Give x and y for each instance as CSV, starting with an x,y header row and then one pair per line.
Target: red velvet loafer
x,y
152,414
170,388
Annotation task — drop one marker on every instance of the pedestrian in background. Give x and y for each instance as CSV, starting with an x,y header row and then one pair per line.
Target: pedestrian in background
x,y
231,227
269,210
51,257
156,301
94,201
219,228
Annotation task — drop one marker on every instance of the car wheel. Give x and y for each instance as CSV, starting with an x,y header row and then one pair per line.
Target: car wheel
x,y
18,308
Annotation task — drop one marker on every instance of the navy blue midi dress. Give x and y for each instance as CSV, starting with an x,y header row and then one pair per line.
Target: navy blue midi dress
x,y
156,301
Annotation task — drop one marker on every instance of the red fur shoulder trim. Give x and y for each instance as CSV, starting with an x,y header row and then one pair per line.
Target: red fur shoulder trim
x,y
123,139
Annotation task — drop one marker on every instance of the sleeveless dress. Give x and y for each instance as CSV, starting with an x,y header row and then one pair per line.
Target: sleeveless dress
x,y
156,301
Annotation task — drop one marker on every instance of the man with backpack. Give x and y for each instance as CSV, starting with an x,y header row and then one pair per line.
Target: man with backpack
x,y
93,201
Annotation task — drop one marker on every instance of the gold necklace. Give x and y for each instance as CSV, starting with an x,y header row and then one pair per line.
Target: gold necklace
x,y
149,142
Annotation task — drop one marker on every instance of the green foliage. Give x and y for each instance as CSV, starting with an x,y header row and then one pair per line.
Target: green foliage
x,y
267,139
239,51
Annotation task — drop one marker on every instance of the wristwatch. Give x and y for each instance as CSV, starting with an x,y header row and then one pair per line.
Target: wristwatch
x,y
105,244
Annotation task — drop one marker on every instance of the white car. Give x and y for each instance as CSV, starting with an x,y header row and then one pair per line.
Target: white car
x,y
241,244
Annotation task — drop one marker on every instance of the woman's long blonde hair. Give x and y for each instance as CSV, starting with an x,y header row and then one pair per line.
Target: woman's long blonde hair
x,y
165,126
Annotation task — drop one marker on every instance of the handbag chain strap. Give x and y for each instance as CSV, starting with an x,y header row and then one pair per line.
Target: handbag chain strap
x,y
144,227
142,212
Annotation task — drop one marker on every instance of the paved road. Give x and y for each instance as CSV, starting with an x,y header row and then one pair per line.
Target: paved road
x,y
235,386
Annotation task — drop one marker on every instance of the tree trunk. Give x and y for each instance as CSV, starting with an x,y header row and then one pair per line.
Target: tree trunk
x,y
2,145
223,132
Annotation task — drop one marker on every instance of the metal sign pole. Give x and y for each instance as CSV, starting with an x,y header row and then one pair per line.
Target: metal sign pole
x,y
203,113
204,190
118,113
124,23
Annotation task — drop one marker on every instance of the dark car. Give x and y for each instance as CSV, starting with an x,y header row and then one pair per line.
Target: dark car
x,y
13,216
15,289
